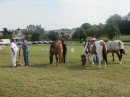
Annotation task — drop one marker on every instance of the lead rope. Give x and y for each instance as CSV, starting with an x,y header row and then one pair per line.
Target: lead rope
x,y
19,54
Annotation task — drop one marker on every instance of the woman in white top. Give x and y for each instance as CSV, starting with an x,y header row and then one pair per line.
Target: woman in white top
x,y
13,52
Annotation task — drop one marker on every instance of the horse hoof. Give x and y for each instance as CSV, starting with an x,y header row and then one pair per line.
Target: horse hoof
x,y
98,68
120,62
93,65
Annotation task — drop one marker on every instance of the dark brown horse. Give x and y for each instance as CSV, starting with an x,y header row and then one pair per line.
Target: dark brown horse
x,y
57,50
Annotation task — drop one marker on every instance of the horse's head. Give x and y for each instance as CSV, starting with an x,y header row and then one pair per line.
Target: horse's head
x,y
83,59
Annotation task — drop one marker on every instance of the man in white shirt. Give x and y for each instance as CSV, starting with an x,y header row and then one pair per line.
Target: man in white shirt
x,y
13,52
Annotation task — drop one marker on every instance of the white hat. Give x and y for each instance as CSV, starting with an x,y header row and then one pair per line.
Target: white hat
x,y
93,39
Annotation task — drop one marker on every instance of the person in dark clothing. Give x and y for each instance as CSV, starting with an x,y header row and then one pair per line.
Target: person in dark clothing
x,y
24,46
64,50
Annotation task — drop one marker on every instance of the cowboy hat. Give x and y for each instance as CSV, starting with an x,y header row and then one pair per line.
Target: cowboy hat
x,y
93,39
23,37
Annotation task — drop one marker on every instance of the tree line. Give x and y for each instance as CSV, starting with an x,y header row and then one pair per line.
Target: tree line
x,y
114,27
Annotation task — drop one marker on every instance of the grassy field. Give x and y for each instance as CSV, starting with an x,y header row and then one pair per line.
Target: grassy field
x,y
42,79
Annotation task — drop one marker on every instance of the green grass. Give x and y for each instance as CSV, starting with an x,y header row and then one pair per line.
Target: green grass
x,y
42,79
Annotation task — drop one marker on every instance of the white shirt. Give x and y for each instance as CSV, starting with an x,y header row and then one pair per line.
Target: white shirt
x,y
14,46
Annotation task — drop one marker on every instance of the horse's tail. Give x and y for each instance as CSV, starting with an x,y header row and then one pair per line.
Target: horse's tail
x,y
104,52
121,44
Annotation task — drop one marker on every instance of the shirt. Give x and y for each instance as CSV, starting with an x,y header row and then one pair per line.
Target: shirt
x,y
25,45
14,46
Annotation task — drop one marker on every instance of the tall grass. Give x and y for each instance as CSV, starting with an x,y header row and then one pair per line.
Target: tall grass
x,y
42,79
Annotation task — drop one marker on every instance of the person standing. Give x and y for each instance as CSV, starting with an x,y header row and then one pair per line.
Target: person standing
x,y
13,52
64,50
24,47
91,41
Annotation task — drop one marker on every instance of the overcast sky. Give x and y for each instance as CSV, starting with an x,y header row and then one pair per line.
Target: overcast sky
x,y
57,14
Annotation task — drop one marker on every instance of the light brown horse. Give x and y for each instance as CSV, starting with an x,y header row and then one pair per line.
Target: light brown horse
x,y
57,50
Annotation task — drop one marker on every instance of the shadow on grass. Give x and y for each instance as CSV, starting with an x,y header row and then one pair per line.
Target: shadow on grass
x,y
6,66
78,66
45,65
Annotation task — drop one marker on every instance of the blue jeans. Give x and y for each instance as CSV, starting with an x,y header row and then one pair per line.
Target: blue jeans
x,y
25,55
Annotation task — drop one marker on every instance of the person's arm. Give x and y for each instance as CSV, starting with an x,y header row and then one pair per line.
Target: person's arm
x,y
13,50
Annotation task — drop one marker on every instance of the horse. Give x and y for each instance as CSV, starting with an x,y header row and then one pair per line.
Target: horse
x,y
97,48
57,50
116,46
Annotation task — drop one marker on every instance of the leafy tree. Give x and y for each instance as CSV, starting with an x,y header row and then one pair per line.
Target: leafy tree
x,y
75,35
35,36
7,34
52,35
27,34
32,30
124,23
111,28
79,34
66,37
85,26
94,31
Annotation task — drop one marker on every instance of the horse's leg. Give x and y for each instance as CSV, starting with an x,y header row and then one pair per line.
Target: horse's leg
x,y
92,60
105,59
121,52
56,60
113,57
99,61
51,58
119,57
88,58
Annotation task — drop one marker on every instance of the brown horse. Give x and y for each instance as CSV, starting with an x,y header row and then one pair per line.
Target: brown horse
x,y
57,50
